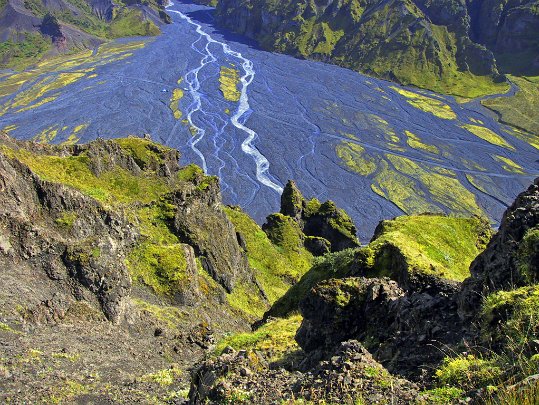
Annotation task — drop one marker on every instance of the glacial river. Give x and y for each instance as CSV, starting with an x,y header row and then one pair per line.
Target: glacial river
x,y
373,148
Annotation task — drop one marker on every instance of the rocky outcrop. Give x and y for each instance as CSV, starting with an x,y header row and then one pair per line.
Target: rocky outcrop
x,y
349,375
66,235
391,323
201,222
323,226
510,259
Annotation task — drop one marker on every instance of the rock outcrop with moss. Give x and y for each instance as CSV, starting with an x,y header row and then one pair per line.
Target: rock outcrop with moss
x,y
116,242
125,279
446,46
319,227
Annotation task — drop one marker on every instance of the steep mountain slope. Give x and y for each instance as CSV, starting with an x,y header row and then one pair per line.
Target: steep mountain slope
x,y
32,28
112,254
358,333
446,46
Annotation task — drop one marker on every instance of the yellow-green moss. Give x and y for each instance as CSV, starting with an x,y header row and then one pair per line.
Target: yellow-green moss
x,y
159,260
164,377
355,158
170,316
276,267
417,188
439,245
415,142
487,135
427,104
177,95
112,187
509,165
229,79
521,109
66,219
468,372
275,338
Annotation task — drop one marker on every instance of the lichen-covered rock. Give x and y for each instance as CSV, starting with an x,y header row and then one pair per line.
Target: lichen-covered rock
x,y
393,324
510,259
322,227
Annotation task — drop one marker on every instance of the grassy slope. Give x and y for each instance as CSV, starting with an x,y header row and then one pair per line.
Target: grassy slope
x,y
126,22
521,110
433,245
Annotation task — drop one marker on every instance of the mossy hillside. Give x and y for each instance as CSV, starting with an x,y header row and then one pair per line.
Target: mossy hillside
x,y
17,55
427,245
333,265
114,187
275,339
277,266
397,41
441,246
521,109
128,19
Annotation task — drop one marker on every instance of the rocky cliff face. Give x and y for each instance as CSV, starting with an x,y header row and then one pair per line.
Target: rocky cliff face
x,y
113,241
437,45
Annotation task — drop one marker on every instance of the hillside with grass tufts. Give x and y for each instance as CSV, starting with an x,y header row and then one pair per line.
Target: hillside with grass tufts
x,y
125,279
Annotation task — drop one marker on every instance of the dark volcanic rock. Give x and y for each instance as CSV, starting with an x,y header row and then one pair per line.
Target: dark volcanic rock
x,y
350,373
404,331
504,265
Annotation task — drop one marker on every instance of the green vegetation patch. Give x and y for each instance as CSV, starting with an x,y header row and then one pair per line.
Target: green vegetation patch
x,y
488,135
275,338
355,158
443,246
509,165
19,54
229,79
521,109
276,266
434,245
510,317
415,142
112,187
159,260
143,151
131,22
427,104
418,188
468,372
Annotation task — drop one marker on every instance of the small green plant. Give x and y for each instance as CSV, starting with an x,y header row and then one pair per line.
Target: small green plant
x,y
66,219
468,372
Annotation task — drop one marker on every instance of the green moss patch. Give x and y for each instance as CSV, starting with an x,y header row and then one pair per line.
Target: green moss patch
x,y
276,266
431,244
276,338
